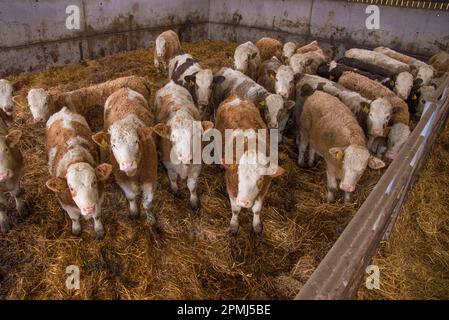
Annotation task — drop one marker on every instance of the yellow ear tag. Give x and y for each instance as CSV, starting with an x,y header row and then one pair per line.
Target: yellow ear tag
x,y
263,104
104,144
191,83
339,155
60,187
230,58
391,83
365,109
271,76
414,97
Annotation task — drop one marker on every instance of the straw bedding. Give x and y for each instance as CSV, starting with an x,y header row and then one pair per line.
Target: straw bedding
x,y
191,255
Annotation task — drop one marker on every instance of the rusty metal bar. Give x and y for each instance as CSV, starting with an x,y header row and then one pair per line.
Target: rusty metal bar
x,y
340,273
416,4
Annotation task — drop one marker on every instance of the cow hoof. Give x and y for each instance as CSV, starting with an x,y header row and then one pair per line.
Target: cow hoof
x,y
5,227
151,219
99,234
76,232
133,215
258,228
195,205
233,230
24,210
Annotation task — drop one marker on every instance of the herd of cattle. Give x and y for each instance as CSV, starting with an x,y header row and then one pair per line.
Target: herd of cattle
x,y
351,112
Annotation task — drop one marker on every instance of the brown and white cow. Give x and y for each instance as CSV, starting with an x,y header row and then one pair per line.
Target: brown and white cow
x,y
329,128
128,122
44,103
277,78
269,47
178,124
249,176
167,46
77,179
11,171
247,59
186,71
307,62
276,110
379,59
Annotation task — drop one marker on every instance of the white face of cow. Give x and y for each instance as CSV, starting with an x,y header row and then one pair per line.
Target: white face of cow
x,y
288,50
83,186
181,133
6,103
403,85
125,147
7,160
38,103
396,138
285,81
355,159
425,73
379,116
276,109
204,81
253,168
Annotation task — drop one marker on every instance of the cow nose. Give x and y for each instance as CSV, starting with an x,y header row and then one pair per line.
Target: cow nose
x,y
243,203
347,187
283,94
203,103
5,175
127,165
378,132
273,125
89,210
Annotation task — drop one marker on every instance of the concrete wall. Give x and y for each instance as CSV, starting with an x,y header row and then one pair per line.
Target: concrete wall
x,y
337,24
33,34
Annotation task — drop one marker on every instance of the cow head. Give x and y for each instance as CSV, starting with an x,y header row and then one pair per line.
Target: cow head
x,y
285,81
202,83
82,183
8,163
125,141
275,109
354,161
179,131
379,112
254,171
288,50
242,60
396,138
38,101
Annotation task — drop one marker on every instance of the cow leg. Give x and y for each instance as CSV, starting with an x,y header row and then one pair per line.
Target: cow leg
x,y
98,224
147,202
311,160
257,224
75,217
131,192
21,205
331,186
192,183
235,216
172,175
303,143
347,197
4,221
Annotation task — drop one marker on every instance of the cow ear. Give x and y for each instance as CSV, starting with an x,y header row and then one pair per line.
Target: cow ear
x,y
56,184
275,171
218,79
145,132
162,130
396,110
337,153
13,137
101,139
190,79
288,104
272,74
229,55
306,90
207,125
375,163
253,55
102,171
